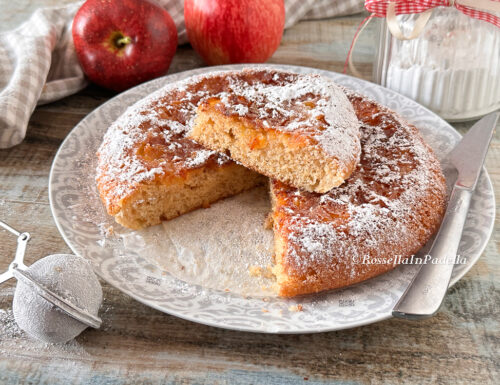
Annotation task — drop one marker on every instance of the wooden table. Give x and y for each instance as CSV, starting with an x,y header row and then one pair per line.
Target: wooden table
x,y
137,344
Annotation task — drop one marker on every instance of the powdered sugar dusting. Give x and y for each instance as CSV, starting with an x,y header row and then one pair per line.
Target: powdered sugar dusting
x,y
385,207
220,256
149,141
199,158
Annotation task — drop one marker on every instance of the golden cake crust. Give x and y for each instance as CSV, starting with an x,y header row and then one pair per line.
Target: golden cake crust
x,y
389,208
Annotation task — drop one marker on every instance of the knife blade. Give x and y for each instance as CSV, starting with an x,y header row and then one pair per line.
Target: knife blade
x,y
425,293
469,154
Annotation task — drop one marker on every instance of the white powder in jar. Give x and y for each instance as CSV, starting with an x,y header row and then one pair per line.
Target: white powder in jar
x,y
452,67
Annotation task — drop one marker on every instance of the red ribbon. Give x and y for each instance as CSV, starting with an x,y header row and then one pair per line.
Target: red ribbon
x,y
379,8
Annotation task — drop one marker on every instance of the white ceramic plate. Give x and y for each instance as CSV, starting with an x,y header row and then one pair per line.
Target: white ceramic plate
x,y
80,217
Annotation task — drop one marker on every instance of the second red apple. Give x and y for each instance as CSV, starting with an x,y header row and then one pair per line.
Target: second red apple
x,y
234,31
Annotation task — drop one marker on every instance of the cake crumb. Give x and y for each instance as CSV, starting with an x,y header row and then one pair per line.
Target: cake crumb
x,y
296,308
255,271
109,231
268,222
268,273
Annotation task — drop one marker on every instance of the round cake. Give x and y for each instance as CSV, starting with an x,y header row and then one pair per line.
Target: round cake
x,y
384,213
391,205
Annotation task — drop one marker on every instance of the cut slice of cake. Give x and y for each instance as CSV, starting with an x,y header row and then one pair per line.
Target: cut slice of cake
x,y
384,213
298,129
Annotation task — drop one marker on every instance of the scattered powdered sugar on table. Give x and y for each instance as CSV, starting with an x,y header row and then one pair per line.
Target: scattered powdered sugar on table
x,y
13,340
224,247
9,328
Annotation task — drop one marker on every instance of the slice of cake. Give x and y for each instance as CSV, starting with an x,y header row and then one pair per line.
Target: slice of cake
x,y
298,129
384,213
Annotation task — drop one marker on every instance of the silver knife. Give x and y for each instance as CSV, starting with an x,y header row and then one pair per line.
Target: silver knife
x,y
424,295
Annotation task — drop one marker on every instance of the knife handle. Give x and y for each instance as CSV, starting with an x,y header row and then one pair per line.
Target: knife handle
x,y
424,295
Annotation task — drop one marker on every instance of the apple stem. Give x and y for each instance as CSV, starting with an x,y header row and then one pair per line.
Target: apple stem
x,y
123,41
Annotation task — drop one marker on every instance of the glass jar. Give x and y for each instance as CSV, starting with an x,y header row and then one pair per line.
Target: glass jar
x,y
452,67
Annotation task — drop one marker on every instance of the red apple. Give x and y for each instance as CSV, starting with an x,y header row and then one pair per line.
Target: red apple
x,y
121,43
234,31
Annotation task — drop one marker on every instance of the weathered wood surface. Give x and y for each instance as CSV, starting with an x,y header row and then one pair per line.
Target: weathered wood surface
x,y
137,344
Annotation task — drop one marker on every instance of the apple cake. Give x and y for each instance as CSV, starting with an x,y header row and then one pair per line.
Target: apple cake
x,y
384,213
298,129
149,170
